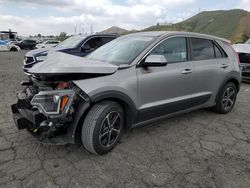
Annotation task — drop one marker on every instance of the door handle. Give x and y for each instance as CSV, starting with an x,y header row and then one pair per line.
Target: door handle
x,y
186,71
224,66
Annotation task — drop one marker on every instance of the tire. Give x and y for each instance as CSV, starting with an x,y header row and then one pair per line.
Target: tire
x,y
13,49
226,99
100,133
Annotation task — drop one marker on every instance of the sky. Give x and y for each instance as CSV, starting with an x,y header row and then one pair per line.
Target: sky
x,y
50,17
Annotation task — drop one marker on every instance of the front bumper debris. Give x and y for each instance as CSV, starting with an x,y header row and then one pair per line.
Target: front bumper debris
x,y
24,118
49,131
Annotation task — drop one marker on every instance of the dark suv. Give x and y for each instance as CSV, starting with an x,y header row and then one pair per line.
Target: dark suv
x,y
26,44
79,45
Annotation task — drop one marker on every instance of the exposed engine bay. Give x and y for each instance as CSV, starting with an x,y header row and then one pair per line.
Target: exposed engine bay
x,y
45,107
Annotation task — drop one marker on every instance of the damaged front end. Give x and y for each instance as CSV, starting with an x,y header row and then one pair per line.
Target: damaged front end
x,y
47,110
51,106
243,51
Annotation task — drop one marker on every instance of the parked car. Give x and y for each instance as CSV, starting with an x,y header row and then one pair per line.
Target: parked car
x,y
79,45
8,46
47,44
243,51
132,80
2,42
15,41
27,44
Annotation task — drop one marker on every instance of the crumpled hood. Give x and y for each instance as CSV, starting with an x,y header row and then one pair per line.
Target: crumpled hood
x,y
61,63
242,48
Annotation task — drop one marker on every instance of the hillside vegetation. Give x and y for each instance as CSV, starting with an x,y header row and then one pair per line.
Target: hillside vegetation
x,y
231,24
114,30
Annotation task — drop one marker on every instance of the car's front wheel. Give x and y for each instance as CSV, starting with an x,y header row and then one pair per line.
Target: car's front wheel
x,y
13,49
226,98
102,127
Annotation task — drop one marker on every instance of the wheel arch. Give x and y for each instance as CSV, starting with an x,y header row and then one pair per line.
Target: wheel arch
x,y
234,79
131,114
13,49
236,82
129,107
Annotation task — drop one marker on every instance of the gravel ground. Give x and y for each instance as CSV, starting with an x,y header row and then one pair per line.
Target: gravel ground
x,y
199,149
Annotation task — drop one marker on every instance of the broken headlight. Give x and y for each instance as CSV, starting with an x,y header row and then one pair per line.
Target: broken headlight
x,y
41,57
56,102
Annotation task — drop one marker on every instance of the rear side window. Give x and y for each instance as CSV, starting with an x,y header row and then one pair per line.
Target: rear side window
x,y
174,49
202,49
218,53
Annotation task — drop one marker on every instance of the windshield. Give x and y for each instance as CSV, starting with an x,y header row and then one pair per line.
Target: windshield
x,y
71,42
122,50
248,41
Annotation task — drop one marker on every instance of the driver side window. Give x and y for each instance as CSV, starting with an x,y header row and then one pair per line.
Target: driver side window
x,y
174,49
94,43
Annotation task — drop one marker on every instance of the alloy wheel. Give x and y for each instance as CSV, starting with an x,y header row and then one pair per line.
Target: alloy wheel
x,y
228,98
110,129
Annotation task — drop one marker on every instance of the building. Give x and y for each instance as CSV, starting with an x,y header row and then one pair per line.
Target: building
x,y
7,35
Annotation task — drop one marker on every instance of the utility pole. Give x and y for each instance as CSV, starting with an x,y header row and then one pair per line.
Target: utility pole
x,y
91,29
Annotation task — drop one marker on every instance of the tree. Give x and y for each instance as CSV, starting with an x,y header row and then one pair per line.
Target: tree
x,y
39,35
244,37
62,36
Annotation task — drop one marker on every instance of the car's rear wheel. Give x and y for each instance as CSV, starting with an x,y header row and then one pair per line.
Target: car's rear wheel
x,y
13,49
102,127
226,99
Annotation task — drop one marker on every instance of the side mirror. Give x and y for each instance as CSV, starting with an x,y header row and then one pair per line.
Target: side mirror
x,y
86,47
155,60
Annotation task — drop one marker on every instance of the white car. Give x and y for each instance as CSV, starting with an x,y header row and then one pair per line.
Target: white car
x,y
243,51
9,46
48,44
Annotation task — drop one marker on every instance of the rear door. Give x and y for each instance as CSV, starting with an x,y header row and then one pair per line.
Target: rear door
x,y
166,89
209,68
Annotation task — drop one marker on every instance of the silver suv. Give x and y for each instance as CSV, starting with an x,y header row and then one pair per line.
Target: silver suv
x,y
133,80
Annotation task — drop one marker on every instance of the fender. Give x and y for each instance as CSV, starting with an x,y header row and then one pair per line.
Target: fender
x,y
74,130
231,76
120,97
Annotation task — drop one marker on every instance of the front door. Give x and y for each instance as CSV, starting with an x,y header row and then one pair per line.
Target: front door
x,y
168,89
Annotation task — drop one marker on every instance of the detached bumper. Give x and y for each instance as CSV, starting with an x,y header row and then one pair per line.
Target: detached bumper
x,y
26,119
32,120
